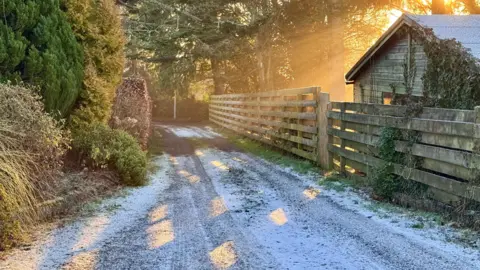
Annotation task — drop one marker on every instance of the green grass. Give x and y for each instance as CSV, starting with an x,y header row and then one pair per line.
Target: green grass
x,y
382,207
387,207
335,181
334,185
271,154
419,225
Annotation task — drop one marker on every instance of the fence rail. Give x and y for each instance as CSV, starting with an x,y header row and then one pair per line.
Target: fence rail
x,y
345,136
287,119
447,145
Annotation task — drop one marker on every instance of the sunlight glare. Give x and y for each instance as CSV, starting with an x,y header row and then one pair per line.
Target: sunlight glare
x,y
160,234
311,193
239,160
393,16
191,177
159,213
91,232
83,261
278,217
220,165
174,160
224,256
217,207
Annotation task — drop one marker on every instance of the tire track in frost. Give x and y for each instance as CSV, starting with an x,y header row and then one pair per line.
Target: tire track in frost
x,y
228,246
371,244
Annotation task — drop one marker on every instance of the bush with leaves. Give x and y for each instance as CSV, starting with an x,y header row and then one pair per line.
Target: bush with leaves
x,y
97,26
38,47
384,182
100,146
452,75
32,146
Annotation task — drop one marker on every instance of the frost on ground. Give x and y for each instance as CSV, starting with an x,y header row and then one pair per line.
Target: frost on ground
x,y
217,208
191,132
76,245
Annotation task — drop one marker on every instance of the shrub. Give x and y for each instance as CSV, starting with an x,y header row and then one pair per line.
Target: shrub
x,y
37,46
97,26
101,146
35,131
132,109
32,146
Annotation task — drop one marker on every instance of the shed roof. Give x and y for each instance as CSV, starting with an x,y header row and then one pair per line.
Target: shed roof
x,y
463,28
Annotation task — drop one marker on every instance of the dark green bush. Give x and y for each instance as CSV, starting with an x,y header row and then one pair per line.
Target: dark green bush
x,y
100,146
383,181
38,47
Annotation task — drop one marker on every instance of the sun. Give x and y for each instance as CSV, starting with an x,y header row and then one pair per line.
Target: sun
x,y
393,16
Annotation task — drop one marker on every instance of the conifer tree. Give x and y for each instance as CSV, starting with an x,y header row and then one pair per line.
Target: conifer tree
x,y
98,28
38,47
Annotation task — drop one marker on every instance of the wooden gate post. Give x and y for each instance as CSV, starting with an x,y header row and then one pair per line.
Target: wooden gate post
x,y
323,155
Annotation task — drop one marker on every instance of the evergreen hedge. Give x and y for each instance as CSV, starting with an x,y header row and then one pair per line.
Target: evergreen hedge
x,y
38,47
97,26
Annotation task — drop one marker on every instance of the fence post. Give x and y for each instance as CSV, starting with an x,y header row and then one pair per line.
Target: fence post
x,y
342,141
323,155
476,142
299,121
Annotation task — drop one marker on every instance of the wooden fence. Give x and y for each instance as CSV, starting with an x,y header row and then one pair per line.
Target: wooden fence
x,y
448,145
345,136
286,119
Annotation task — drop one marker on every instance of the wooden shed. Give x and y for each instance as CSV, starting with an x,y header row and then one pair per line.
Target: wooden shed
x,y
383,67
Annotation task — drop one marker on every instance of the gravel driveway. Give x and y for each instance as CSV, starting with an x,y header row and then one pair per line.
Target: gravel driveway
x,y
213,207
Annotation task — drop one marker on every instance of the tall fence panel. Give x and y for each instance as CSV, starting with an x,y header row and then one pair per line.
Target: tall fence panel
x,y
447,146
286,119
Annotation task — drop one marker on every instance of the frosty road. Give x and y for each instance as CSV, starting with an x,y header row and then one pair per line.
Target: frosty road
x,y
210,206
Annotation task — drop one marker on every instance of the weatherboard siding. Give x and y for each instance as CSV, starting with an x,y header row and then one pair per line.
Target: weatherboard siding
x,y
386,68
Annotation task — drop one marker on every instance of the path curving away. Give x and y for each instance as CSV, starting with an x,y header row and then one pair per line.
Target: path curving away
x,y
215,207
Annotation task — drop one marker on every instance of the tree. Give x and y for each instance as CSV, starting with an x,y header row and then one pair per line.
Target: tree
x,y
98,28
251,45
38,47
191,33
438,7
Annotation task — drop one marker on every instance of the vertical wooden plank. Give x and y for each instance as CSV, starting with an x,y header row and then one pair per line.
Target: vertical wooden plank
x,y
476,142
323,155
330,138
259,116
283,130
342,144
299,121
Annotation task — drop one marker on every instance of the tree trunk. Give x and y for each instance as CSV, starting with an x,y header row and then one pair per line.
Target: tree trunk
x,y
337,86
438,7
261,63
217,77
268,70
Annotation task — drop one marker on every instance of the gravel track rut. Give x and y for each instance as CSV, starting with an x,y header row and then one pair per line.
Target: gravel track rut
x,y
214,207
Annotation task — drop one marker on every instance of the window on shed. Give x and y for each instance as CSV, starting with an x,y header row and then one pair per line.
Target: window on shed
x,y
387,98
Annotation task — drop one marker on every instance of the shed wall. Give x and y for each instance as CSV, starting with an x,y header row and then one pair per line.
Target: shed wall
x,y
386,68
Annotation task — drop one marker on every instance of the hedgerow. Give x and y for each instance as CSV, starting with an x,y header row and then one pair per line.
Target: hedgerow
x,y
97,26
38,47
100,146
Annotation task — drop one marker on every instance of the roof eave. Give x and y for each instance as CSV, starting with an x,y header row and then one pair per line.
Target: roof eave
x,y
401,21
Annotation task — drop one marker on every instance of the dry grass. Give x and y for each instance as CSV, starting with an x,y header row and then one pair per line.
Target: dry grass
x,y
32,146
17,201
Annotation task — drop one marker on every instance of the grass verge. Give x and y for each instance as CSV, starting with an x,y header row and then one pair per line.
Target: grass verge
x,y
271,154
